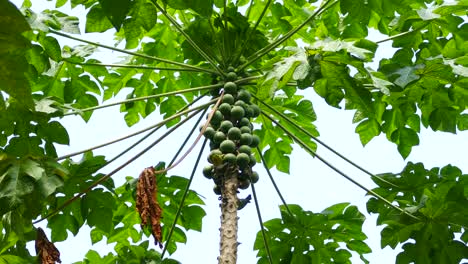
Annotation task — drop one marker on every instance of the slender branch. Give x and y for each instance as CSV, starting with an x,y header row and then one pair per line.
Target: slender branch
x,y
134,53
401,34
227,36
261,16
133,145
302,144
225,9
156,129
220,47
212,53
182,201
194,168
265,165
163,122
278,42
144,67
210,116
259,215
182,146
183,18
248,79
226,33
142,98
462,226
252,32
200,88
321,142
188,38
185,21
148,135
247,15
107,176
189,135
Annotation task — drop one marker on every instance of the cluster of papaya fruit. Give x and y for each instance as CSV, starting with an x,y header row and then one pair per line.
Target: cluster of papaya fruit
x,y
231,138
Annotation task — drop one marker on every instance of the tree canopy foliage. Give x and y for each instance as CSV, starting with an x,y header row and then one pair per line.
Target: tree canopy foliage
x,y
178,52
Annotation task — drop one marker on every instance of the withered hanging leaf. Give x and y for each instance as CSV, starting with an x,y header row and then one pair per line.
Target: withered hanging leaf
x,y
147,204
45,250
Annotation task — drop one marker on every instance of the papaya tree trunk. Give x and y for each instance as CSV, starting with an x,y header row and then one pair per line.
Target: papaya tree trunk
x,y
229,203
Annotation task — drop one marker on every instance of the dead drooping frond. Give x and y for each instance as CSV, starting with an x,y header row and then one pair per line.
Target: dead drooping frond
x,y
45,250
147,203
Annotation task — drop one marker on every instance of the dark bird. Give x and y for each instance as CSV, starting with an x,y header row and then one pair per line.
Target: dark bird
x,y
244,202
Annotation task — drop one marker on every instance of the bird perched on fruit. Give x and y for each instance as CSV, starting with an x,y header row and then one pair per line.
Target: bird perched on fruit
x,y
243,202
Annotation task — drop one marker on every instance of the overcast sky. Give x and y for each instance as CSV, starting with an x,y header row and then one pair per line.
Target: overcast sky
x,y
310,184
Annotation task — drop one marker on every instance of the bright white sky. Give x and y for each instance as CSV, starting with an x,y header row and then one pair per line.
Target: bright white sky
x,y
310,184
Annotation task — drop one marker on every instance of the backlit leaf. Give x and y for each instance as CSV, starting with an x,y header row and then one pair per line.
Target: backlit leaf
x,y
96,20
116,11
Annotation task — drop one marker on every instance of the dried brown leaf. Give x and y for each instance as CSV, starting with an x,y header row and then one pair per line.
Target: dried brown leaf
x,y
45,250
147,203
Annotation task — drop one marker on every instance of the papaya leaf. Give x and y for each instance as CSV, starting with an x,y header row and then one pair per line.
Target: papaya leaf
x,y
116,11
367,130
17,181
52,19
381,84
456,68
14,67
13,259
97,21
298,110
279,148
320,236
294,67
338,45
437,197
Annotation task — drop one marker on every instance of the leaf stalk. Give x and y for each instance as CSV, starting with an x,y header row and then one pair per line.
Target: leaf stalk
x,y
369,191
188,38
143,67
289,120
107,176
257,55
182,201
134,53
142,98
262,227
265,165
163,122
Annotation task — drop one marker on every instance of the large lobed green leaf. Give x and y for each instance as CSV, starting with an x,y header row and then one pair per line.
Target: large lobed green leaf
x,y
276,141
13,46
71,218
25,131
8,240
52,19
307,237
134,254
26,181
202,7
438,198
427,72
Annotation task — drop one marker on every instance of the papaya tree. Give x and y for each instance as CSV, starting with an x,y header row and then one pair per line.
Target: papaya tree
x,y
242,72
